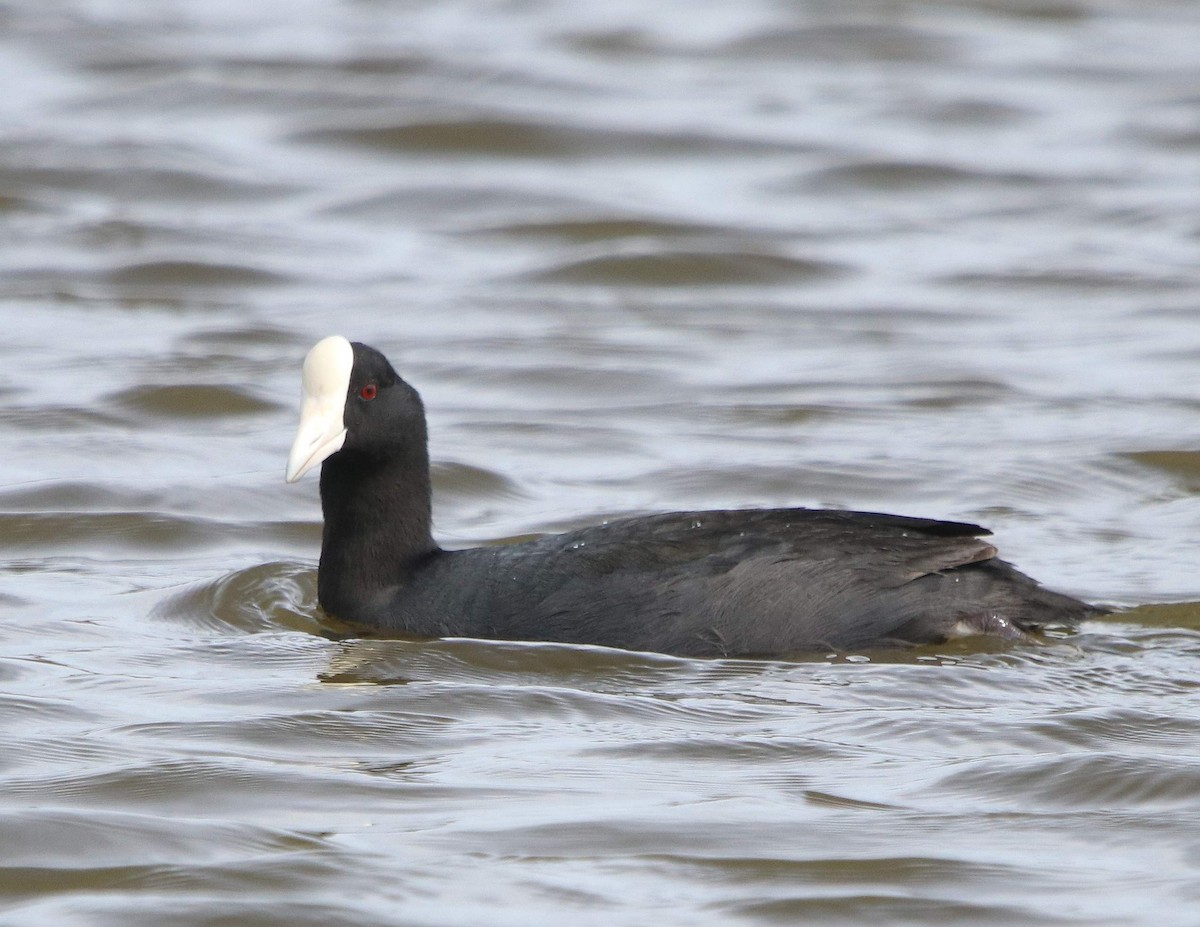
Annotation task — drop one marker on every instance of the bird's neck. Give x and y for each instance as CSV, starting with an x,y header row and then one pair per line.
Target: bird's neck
x,y
377,528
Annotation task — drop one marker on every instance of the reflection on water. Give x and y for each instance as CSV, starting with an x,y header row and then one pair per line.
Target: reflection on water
x,y
931,258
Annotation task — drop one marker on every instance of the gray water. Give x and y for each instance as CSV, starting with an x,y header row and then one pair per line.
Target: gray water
x,y
937,258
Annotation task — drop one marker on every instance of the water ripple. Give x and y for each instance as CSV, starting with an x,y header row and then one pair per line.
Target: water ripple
x,y
937,258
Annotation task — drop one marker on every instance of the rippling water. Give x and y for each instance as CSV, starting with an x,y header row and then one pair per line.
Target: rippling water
x,y
935,257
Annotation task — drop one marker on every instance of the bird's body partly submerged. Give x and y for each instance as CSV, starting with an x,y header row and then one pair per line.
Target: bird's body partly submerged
x,y
710,583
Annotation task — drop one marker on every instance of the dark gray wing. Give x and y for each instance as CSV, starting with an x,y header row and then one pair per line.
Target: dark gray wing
x,y
740,582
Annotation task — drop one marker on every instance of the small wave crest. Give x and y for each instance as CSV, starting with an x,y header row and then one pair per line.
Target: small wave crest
x,y
280,595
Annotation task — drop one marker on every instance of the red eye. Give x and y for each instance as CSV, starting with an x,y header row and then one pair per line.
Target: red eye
x,y
369,392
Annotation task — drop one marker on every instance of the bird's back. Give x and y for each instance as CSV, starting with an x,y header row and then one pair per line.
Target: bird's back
x,y
733,582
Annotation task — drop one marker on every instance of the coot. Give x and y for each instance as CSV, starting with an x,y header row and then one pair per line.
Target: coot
x,y
707,583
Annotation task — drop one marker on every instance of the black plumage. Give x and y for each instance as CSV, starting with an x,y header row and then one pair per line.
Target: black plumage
x,y
706,583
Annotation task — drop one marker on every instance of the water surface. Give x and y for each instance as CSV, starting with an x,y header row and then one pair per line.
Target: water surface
x,y
936,258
